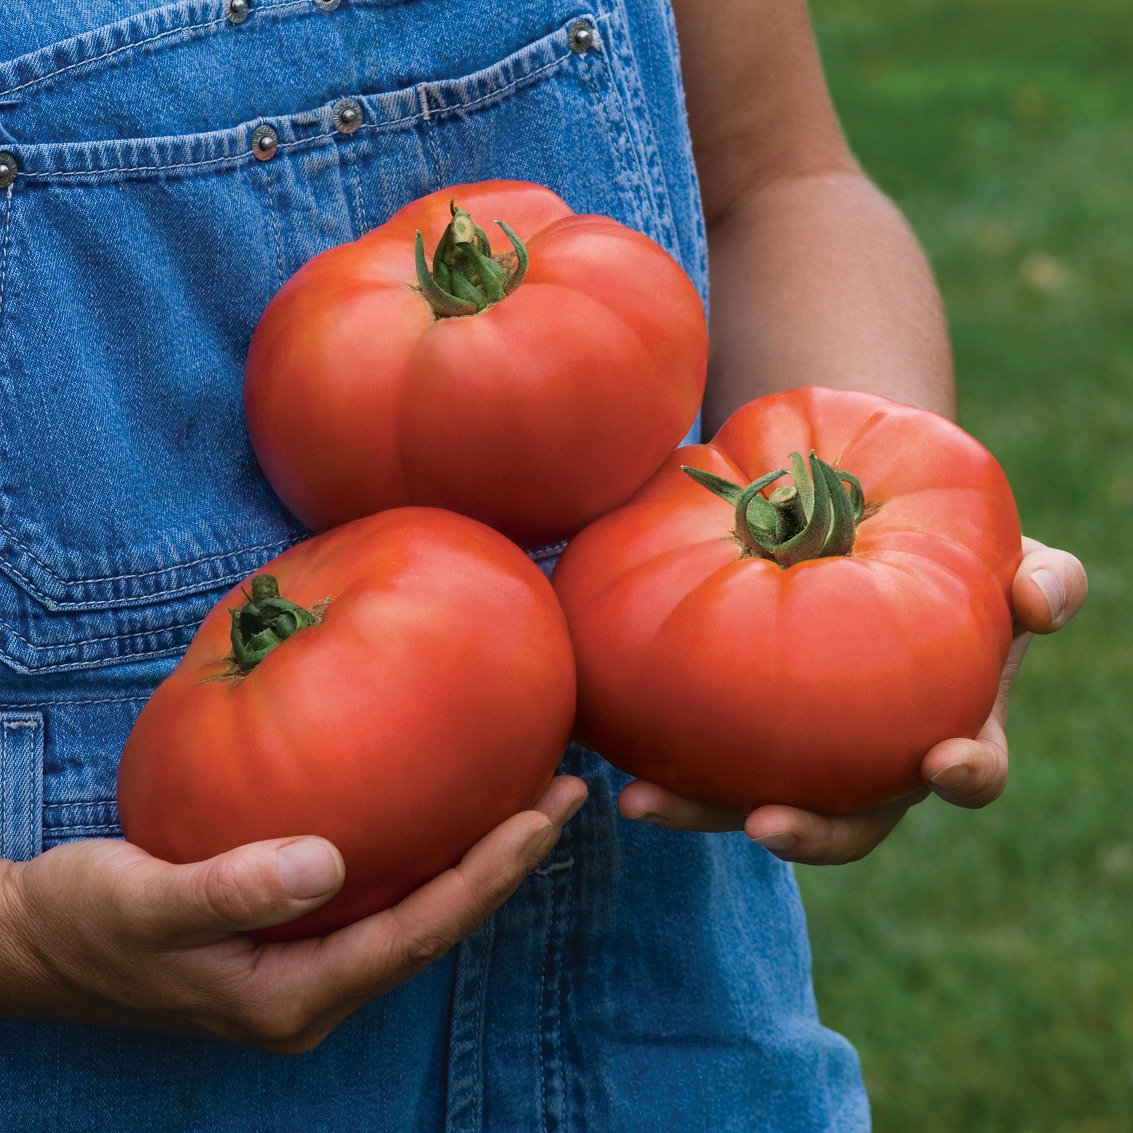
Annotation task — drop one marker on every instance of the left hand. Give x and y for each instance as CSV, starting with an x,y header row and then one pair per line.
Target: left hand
x,y
1049,589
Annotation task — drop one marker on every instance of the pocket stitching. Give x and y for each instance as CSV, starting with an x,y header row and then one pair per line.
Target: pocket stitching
x,y
31,585
39,79
265,9
419,92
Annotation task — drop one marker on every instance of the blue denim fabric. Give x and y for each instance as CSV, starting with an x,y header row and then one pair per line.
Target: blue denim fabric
x,y
639,979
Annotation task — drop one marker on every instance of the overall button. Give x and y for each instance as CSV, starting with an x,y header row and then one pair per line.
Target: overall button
x,y
581,36
347,116
265,143
8,169
237,11
327,5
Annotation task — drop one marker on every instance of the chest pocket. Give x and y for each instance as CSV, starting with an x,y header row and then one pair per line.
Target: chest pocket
x,y
160,178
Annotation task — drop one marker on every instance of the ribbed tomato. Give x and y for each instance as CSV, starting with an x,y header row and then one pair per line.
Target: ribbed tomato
x,y
407,686
806,630
533,390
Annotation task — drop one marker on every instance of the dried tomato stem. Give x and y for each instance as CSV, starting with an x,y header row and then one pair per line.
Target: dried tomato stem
x,y
465,276
264,622
815,517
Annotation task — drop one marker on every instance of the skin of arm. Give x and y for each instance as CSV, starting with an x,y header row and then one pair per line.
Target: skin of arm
x,y
816,279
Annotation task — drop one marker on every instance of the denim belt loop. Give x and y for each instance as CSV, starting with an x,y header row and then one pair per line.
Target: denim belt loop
x,y
21,785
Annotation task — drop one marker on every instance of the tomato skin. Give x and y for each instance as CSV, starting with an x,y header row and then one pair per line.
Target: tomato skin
x,y
535,415
736,682
431,702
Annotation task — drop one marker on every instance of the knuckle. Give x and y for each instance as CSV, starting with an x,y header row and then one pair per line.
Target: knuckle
x,y
421,948
283,1027
227,893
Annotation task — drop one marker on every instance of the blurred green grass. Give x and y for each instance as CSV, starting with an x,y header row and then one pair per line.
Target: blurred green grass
x,y
980,961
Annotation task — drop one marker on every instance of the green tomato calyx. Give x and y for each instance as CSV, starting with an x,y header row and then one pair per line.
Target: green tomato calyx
x,y
466,278
264,622
815,517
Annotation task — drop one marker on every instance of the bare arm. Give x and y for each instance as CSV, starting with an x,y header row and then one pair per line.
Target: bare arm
x,y
815,276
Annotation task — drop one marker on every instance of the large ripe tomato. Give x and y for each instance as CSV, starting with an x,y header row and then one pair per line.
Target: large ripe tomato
x,y
823,678
430,700
540,400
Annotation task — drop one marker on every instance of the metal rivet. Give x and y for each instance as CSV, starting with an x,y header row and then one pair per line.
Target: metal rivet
x,y
8,169
265,142
237,11
581,37
327,5
347,115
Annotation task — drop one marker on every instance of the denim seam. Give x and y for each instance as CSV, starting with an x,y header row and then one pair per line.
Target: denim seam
x,y
276,230
99,662
242,158
109,54
264,9
554,991
193,622
362,220
624,72
56,831
21,785
63,702
4,253
617,127
47,568
464,1100
426,114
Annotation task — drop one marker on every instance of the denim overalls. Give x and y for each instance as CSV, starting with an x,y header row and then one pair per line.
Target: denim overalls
x,y
163,169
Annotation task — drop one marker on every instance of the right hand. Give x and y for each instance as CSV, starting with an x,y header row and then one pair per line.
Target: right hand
x,y
101,932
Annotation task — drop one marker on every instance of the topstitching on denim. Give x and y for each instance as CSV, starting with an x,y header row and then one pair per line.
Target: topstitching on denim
x,y
51,602
220,149
117,41
4,249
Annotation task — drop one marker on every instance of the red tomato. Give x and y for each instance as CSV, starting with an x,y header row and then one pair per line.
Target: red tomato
x,y
535,414
736,681
429,701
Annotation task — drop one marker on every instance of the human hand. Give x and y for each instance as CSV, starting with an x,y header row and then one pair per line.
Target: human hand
x,y
1049,589
101,932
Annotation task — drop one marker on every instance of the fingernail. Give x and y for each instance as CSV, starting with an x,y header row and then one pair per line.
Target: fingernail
x,y
308,868
952,777
777,843
539,845
1052,590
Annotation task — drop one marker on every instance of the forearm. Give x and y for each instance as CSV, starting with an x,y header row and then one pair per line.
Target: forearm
x,y
816,279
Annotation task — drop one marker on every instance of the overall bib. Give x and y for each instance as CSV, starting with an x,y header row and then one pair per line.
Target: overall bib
x,y
640,979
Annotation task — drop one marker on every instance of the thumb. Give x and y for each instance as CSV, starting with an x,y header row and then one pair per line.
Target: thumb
x,y
253,886
1049,588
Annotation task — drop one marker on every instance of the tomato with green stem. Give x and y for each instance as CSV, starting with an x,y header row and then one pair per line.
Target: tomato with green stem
x,y
399,685
534,388
798,611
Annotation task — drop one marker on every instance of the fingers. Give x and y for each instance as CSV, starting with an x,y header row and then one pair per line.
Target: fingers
x,y
1049,589
250,887
647,802
815,839
268,883
116,936
973,773
374,955
791,834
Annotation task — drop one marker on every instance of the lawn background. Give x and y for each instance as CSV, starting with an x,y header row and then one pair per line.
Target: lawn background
x,y
980,961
